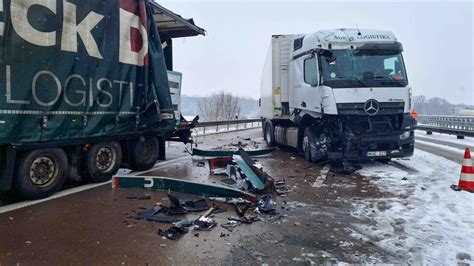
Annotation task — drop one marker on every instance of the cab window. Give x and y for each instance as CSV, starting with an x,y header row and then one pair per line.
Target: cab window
x,y
311,71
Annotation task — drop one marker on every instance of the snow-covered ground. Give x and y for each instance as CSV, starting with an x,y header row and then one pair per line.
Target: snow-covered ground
x,y
447,138
441,147
425,221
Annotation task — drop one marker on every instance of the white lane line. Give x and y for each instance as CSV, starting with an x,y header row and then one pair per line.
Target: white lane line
x,y
60,194
323,173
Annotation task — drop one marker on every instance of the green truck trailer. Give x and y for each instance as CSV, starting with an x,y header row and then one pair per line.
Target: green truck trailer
x,y
84,89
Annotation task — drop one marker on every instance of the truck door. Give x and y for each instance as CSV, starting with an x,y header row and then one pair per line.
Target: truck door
x,y
304,77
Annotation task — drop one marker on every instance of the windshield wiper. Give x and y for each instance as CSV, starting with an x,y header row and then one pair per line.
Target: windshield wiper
x,y
391,79
355,79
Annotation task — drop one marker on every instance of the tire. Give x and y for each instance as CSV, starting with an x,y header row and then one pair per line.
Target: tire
x,y
269,134
307,139
145,152
40,173
103,161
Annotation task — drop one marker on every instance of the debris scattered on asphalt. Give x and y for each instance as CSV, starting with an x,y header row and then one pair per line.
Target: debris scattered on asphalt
x,y
173,233
230,225
265,203
204,224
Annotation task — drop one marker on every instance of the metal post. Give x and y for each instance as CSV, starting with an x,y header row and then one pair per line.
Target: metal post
x,y
204,130
217,128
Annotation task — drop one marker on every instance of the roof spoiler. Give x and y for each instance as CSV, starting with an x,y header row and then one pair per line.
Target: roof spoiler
x,y
382,46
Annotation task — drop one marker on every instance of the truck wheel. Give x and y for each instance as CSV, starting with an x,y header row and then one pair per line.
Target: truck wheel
x,y
145,153
41,173
103,161
307,140
269,135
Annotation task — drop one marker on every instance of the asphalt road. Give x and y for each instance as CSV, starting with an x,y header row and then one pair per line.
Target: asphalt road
x,y
94,226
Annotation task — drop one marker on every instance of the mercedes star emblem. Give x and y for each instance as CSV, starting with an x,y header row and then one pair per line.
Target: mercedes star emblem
x,y
371,107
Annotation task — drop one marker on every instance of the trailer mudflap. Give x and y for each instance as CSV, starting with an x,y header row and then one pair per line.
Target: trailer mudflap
x,y
7,166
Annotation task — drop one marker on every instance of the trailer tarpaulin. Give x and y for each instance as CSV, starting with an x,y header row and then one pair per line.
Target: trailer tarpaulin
x,y
80,69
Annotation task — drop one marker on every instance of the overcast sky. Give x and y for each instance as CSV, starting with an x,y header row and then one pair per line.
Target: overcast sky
x,y
437,37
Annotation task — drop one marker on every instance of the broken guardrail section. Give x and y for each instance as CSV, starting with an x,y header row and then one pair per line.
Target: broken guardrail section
x,y
180,186
260,180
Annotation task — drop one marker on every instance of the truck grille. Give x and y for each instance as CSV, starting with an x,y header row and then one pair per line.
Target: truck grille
x,y
386,108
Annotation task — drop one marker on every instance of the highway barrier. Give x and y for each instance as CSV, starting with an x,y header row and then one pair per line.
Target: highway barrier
x,y
461,126
213,127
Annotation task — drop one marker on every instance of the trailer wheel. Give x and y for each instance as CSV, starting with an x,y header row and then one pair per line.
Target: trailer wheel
x,y
41,173
269,134
145,153
103,161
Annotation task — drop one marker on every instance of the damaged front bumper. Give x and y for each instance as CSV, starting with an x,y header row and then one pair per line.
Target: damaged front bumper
x,y
378,146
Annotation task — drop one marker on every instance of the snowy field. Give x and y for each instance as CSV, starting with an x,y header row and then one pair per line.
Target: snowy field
x,y
425,221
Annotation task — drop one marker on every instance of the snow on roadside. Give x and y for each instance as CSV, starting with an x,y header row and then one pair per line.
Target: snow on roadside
x,y
443,147
448,138
425,222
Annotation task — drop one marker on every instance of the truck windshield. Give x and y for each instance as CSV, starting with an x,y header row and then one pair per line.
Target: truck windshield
x,y
363,68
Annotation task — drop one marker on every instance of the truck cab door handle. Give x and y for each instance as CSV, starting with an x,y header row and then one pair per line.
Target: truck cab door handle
x,y
303,104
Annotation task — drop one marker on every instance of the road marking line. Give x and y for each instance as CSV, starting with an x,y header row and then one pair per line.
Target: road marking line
x,y
60,194
323,173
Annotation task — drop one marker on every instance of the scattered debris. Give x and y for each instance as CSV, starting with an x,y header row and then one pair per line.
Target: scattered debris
x,y
265,203
173,233
230,153
230,225
204,224
189,205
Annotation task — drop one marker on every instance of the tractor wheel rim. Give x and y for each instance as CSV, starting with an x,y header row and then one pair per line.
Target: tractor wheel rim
x,y
43,171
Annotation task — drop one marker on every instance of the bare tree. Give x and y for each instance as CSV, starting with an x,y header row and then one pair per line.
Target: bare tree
x,y
219,106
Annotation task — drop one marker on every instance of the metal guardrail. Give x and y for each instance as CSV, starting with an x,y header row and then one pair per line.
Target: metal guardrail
x,y
224,126
462,126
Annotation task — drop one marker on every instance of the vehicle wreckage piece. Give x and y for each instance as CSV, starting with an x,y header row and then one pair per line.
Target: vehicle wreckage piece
x,y
221,153
260,180
180,186
219,163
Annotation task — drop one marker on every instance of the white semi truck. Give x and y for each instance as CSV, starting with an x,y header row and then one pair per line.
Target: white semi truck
x,y
338,95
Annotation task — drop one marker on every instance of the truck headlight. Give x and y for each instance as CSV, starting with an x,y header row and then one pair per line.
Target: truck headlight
x,y
405,135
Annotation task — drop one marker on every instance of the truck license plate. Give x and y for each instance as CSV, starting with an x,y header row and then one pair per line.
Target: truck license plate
x,y
376,153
